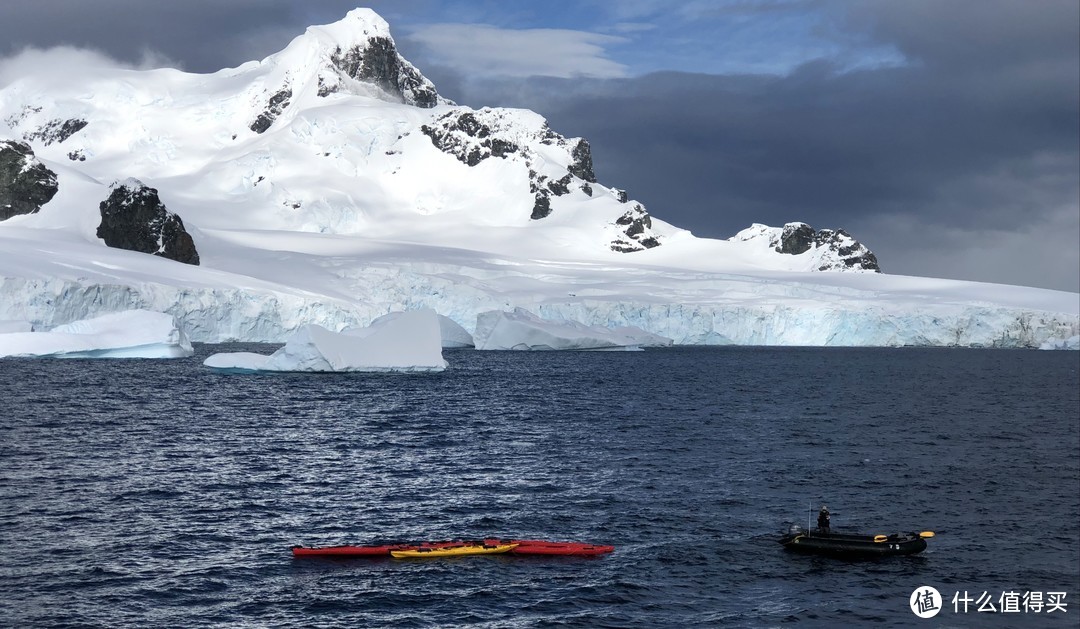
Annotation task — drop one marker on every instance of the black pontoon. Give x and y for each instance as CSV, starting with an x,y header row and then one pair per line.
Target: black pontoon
x,y
854,545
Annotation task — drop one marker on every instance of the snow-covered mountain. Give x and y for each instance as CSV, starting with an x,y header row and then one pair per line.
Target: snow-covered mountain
x,y
330,183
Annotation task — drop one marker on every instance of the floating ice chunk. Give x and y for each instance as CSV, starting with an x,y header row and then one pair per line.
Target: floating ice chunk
x,y
1073,343
522,330
409,341
128,334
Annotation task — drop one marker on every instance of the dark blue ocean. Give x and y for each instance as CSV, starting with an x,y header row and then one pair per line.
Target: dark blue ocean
x,y
161,494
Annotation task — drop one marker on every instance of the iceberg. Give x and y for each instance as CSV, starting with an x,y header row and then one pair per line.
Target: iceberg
x,y
407,341
128,334
1071,343
523,330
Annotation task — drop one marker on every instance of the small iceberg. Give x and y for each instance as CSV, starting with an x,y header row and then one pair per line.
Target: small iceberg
x,y
1071,343
408,341
522,330
128,334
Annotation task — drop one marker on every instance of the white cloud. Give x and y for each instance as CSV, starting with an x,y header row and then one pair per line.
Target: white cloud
x,y
57,64
60,64
479,50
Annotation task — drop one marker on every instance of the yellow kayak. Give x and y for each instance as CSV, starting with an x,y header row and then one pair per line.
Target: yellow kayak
x,y
454,551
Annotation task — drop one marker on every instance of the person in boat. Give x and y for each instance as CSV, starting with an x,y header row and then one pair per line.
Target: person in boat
x,y
823,519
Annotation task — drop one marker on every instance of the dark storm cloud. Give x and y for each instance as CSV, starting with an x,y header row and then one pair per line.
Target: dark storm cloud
x,y
197,35
970,144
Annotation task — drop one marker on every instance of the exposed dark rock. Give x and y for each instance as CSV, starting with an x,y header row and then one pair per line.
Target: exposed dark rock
x,y
463,135
380,64
620,195
560,187
638,231
15,120
25,183
134,218
582,167
797,238
842,250
277,104
541,206
587,189
326,89
851,252
56,130
637,220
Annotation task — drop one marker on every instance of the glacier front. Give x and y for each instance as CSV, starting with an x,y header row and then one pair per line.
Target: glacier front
x,y
522,330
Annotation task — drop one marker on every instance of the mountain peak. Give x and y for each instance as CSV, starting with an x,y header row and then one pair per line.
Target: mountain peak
x,y
357,27
353,55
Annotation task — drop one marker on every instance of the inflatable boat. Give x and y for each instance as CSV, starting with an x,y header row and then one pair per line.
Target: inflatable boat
x,y
854,544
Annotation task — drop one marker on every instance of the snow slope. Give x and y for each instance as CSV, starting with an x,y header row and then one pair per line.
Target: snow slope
x,y
329,184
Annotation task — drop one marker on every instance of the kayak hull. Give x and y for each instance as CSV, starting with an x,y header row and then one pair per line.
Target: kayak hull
x,y
377,550
520,547
567,549
854,545
452,551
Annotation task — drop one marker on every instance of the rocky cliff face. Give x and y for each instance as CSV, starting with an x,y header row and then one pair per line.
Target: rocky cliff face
x,y
134,218
25,183
351,56
472,137
823,250
638,233
377,61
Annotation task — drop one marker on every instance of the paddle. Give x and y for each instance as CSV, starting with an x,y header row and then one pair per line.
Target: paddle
x,y
880,539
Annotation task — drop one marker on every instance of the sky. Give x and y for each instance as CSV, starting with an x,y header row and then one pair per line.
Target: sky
x,y
945,136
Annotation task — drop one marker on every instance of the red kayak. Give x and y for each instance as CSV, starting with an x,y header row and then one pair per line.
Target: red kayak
x,y
540,547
